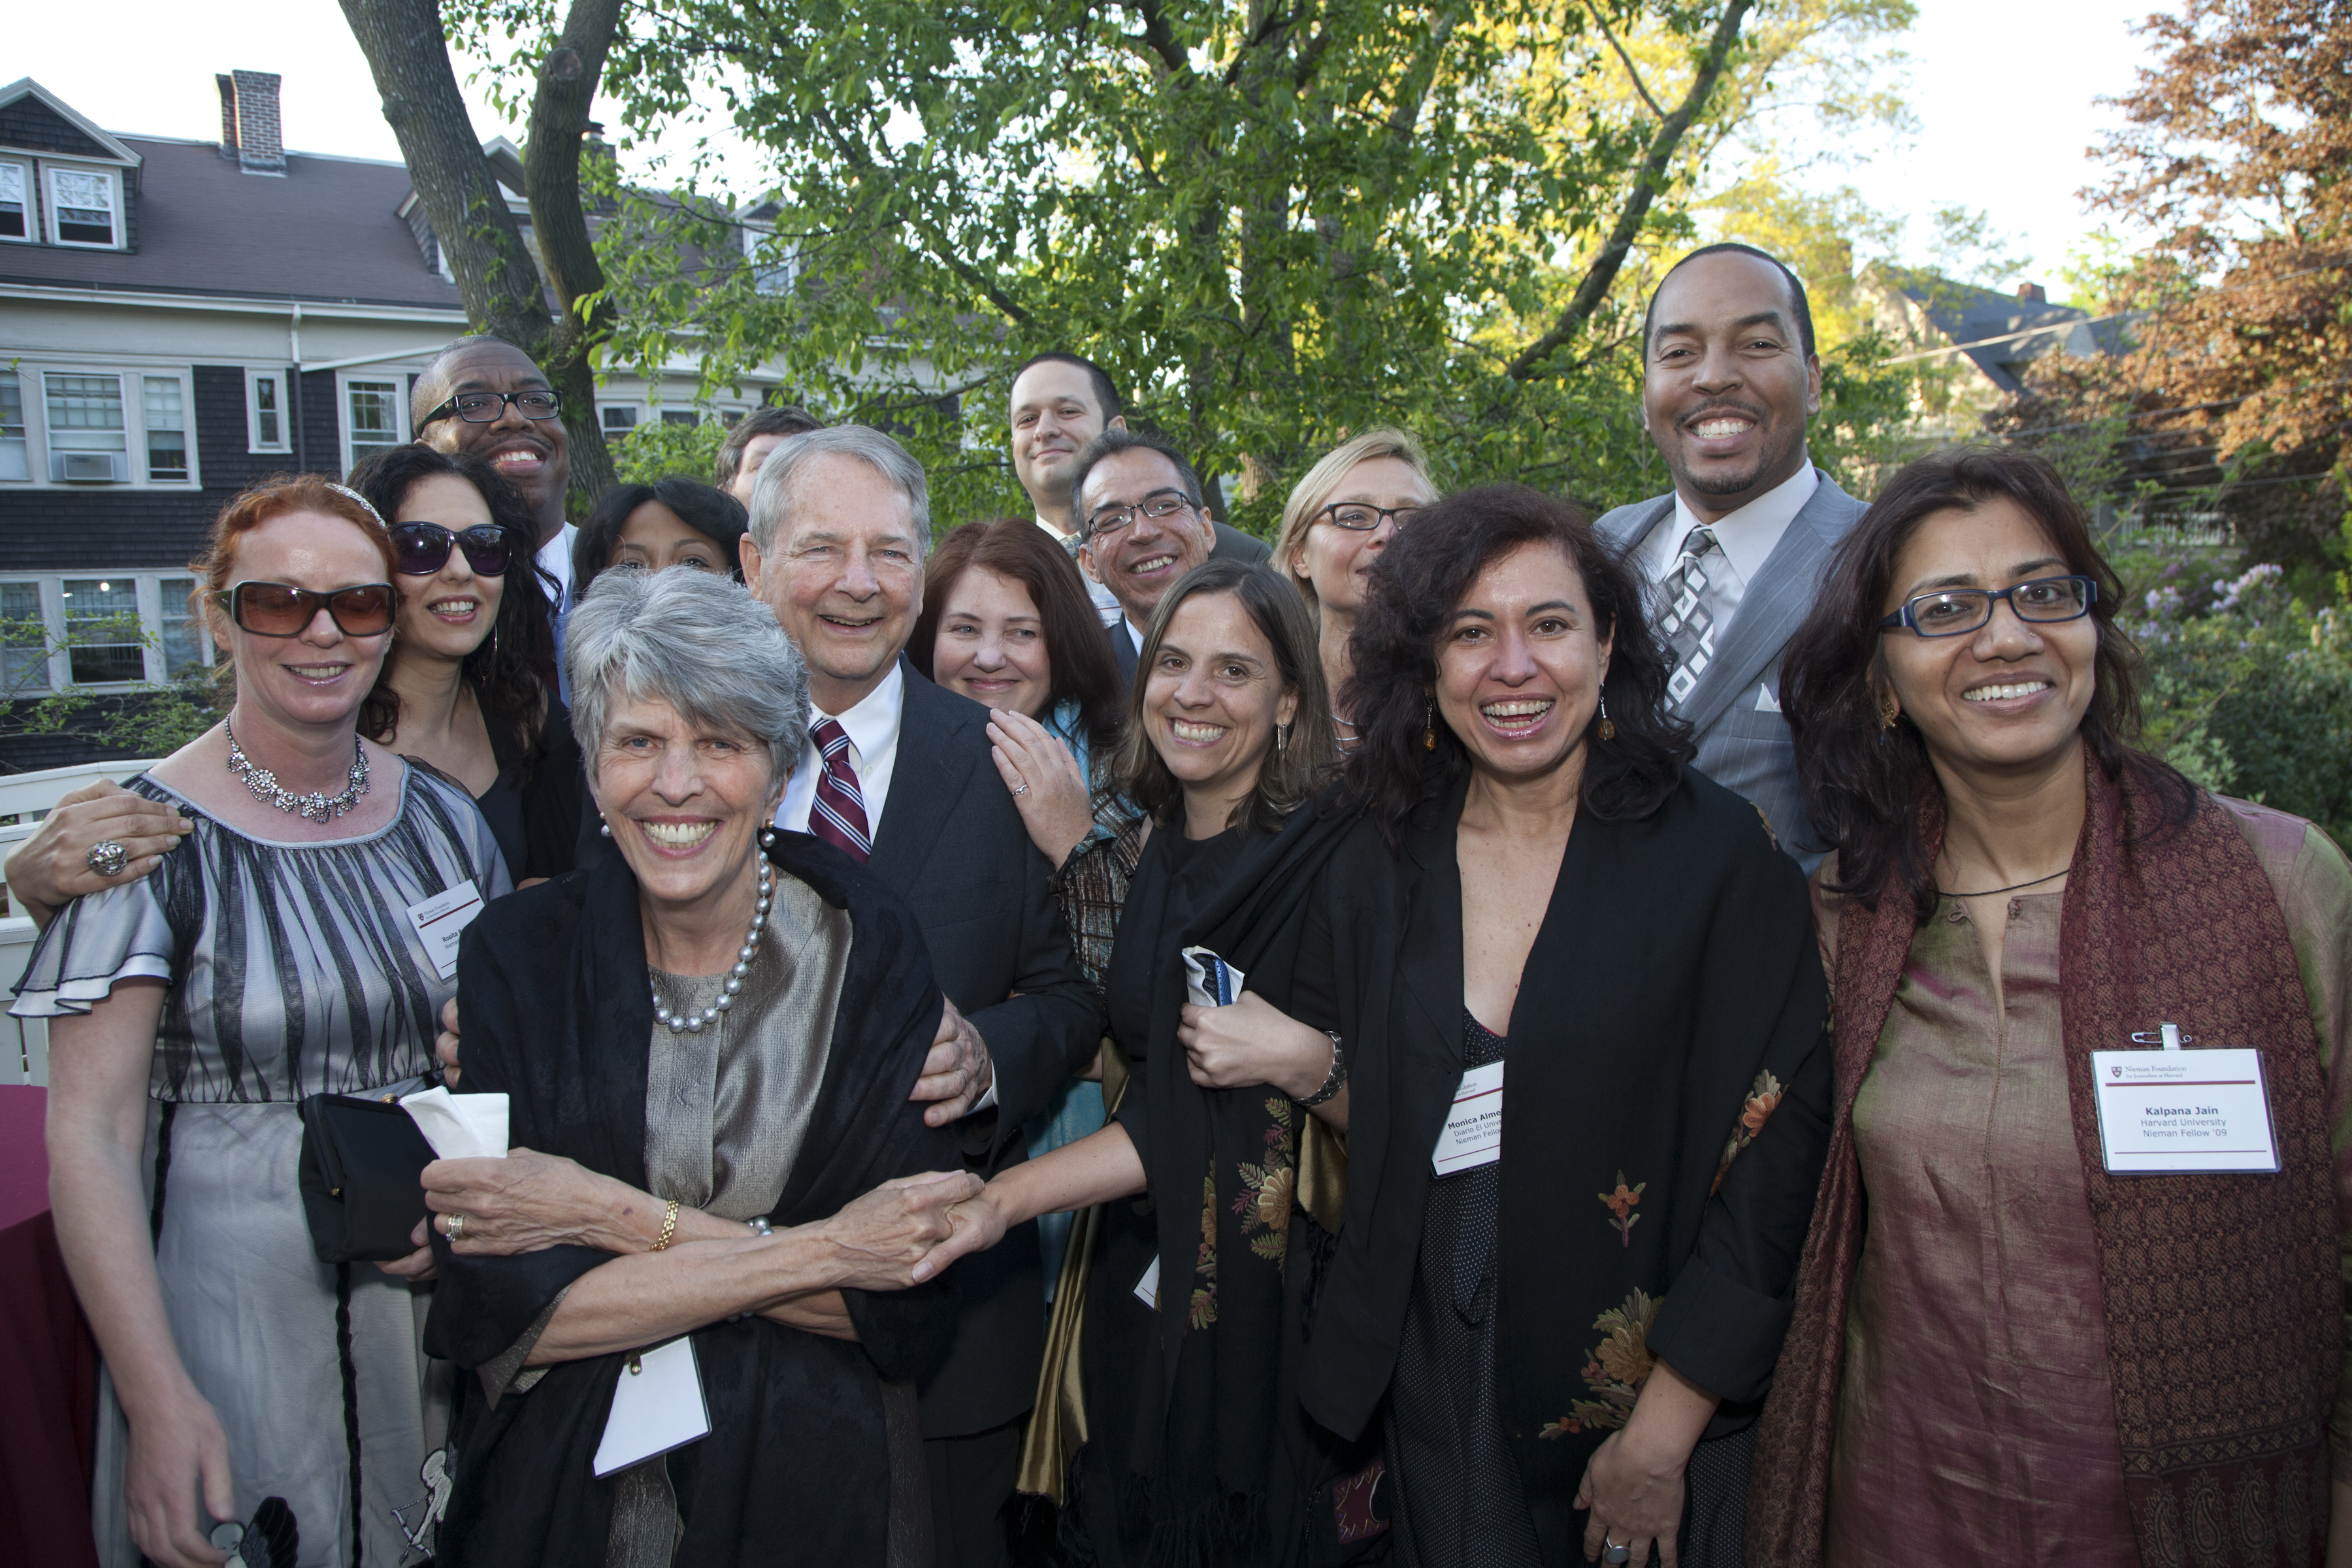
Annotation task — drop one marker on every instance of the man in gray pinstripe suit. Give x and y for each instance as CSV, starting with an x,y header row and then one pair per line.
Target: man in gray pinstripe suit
x,y
1735,553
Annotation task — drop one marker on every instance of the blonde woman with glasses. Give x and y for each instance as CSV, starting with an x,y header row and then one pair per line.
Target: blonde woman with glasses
x,y
1335,528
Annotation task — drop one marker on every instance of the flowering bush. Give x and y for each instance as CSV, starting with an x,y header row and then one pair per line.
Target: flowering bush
x,y
2248,691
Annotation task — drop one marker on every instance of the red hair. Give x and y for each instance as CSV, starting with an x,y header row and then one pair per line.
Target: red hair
x,y
276,496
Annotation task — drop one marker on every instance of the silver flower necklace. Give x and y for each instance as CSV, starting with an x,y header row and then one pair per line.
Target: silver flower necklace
x,y
316,807
693,1023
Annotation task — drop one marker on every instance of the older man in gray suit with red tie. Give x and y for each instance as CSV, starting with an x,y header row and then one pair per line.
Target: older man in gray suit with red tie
x,y
1735,554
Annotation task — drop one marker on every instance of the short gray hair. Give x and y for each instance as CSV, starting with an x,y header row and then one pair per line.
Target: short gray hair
x,y
693,639
772,493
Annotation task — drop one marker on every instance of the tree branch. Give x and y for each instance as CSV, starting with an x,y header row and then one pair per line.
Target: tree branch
x,y
1651,178
1602,22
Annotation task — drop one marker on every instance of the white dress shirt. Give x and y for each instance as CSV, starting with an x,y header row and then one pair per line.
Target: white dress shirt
x,y
1134,634
1747,537
873,730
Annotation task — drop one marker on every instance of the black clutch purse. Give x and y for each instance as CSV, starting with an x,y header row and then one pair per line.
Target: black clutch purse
x,y
361,1164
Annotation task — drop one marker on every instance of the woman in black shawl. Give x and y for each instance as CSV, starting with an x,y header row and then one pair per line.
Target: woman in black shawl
x,y
721,1141
1196,1290
1546,1291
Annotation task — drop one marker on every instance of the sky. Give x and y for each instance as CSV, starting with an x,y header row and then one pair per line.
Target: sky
x,y
2003,91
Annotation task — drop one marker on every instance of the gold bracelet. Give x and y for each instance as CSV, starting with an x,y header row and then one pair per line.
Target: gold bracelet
x,y
670,1226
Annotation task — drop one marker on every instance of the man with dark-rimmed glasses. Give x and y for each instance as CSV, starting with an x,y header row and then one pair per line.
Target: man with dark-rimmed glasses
x,y
1141,527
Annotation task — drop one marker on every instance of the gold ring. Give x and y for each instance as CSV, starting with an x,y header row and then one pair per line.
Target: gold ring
x,y
456,1229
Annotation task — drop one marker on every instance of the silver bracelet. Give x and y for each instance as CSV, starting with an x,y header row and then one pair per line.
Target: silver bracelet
x,y
1336,1080
761,1226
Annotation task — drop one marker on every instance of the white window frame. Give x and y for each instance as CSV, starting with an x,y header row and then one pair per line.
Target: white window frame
x,y
606,424
32,235
32,376
283,379
149,581
344,381
49,203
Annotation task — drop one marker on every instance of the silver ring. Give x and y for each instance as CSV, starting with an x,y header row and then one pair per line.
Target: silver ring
x,y
1612,1553
457,1232
1019,789
107,858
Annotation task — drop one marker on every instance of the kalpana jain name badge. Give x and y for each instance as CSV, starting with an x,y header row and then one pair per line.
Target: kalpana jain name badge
x,y
2177,1109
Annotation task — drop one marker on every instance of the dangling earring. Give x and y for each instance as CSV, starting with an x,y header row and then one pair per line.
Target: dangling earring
x,y
1429,726
604,829
1281,738
1608,725
1888,712
767,838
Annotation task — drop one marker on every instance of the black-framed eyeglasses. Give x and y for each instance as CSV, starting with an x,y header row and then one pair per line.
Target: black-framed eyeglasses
x,y
1111,519
282,610
1362,517
1955,612
484,408
421,548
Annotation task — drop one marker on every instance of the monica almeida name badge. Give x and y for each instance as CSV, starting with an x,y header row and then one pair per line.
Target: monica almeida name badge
x,y
2173,1110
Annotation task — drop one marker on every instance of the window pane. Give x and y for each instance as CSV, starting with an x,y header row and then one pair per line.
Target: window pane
x,y
23,640
12,425
680,416
167,430
185,647
85,412
619,419
85,206
102,629
266,429
374,417
12,201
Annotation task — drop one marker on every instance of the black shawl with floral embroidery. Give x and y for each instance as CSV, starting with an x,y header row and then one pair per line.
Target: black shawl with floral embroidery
x,y
1664,1118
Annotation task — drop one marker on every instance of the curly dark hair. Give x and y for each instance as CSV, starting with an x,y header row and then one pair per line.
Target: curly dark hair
x,y
1862,785
706,508
1300,763
1421,579
1075,649
513,670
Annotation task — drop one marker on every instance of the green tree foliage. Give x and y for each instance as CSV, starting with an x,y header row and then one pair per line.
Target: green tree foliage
x,y
1273,223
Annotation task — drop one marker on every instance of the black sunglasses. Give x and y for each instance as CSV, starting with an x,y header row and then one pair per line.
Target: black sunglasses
x,y
485,407
282,610
422,549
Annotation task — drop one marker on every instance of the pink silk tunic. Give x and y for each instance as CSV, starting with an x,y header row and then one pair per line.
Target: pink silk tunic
x,y
1975,1421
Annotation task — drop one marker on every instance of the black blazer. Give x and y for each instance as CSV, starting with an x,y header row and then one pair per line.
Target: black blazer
x,y
953,844
1233,544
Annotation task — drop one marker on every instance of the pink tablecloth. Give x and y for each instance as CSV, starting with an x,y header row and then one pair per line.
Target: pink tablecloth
x,y
48,1365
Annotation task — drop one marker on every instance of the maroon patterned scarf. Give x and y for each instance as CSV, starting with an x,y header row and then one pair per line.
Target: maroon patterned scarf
x,y
2221,1293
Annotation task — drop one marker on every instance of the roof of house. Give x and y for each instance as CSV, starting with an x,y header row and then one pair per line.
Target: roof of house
x,y
2011,328
327,230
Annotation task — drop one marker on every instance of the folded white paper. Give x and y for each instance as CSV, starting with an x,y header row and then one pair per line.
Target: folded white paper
x,y
1210,980
460,1127
656,1407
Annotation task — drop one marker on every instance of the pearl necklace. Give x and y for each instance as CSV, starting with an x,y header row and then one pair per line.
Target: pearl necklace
x,y
316,807
695,1022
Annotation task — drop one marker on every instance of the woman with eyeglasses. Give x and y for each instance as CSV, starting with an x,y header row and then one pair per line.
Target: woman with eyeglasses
x,y
1336,526
276,952
468,687
2085,1322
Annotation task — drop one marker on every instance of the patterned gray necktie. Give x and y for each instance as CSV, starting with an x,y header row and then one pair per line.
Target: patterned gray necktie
x,y
1688,624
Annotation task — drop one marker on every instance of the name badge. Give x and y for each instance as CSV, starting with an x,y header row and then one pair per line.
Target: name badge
x,y
1472,1133
439,918
656,1407
2172,1110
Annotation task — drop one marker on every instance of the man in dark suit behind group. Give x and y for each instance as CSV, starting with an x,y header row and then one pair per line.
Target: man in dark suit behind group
x,y
896,774
1736,552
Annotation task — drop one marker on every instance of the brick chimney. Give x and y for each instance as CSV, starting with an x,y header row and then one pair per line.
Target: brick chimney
x,y
2033,293
250,128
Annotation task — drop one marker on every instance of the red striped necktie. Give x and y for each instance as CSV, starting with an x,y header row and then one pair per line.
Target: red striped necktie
x,y
837,815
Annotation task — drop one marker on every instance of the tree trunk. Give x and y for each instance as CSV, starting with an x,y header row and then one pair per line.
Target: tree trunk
x,y
558,121
409,57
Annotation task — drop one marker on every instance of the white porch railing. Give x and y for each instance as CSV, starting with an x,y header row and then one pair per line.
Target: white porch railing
x,y
28,798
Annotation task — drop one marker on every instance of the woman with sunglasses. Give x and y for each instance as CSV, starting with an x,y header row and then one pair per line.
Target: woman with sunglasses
x,y
2055,1339
276,952
1336,526
468,687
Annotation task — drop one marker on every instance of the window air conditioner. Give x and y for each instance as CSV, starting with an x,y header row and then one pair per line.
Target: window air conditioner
x,y
103,468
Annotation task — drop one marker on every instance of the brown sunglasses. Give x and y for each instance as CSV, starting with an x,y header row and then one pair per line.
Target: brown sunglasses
x,y
282,610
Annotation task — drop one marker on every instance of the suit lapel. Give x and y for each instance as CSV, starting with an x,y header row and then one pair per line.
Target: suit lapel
x,y
1431,961
1772,608
932,768
1633,523
1122,649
